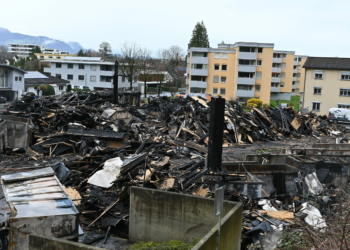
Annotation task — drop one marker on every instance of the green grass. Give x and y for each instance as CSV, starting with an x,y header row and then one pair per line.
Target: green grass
x,y
295,100
170,245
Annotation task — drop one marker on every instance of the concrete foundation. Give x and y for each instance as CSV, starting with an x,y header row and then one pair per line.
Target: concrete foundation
x,y
162,216
37,242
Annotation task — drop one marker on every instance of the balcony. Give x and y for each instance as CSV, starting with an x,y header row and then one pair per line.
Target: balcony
x,y
187,82
294,79
199,60
247,55
276,70
294,86
298,83
198,84
246,81
295,63
275,79
295,71
277,60
199,72
245,93
275,89
247,68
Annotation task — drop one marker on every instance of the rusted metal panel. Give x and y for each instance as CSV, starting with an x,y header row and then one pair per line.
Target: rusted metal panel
x,y
39,205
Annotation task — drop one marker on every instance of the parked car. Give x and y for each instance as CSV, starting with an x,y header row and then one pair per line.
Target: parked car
x,y
339,115
3,99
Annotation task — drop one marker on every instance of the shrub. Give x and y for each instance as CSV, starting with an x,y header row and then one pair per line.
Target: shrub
x,y
257,103
291,104
170,245
69,87
266,105
50,90
43,88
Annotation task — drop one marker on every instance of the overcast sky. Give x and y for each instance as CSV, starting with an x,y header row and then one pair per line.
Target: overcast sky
x,y
308,27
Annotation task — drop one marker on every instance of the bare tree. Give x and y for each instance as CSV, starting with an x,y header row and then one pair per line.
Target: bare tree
x,y
105,49
129,60
145,67
160,66
92,53
3,49
175,55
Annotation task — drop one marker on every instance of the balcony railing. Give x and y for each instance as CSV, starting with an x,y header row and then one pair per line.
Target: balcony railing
x,y
245,93
247,55
199,72
247,68
276,60
276,70
199,84
199,60
246,81
275,79
275,89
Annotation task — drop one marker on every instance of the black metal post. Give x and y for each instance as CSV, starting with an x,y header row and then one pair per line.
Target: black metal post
x,y
216,125
115,83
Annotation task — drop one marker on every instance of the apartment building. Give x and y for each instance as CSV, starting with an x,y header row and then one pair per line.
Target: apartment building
x,y
327,84
244,70
87,72
43,56
24,50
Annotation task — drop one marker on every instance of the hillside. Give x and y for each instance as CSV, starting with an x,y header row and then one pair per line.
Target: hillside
x,y
7,37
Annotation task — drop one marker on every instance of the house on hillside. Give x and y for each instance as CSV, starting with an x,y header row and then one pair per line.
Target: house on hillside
x,y
6,57
34,79
11,81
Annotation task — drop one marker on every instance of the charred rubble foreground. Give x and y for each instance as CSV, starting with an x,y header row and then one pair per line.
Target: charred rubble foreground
x,y
161,144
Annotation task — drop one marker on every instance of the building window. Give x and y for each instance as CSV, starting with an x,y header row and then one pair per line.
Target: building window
x,y
247,49
223,79
246,62
70,65
283,65
81,77
18,78
50,57
81,66
76,87
298,82
276,75
224,67
69,77
93,67
198,66
58,76
317,90
284,55
283,75
344,92
282,84
344,105
41,57
58,65
106,68
216,66
224,55
274,84
318,74
316,106
123,78
276,65
298,75
216,79
260,50
58,57
297,90
258,75
60,87
299,66
92,78
215,91
106,78
345,75
257,87
217,55
259,62
222,91
299,59
275,55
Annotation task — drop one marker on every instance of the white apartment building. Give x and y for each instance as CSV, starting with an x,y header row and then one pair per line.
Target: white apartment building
x,y
88,72
23,50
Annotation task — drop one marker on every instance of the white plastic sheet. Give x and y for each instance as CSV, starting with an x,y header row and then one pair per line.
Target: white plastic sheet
x,y
314,217
105,177
314,185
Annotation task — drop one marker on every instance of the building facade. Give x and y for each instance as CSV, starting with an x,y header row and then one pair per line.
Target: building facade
x,y
327,84
33,79
24,50
11,81
244,70
42,56
87,72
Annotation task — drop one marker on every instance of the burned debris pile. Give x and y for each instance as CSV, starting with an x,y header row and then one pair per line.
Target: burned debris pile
x,y
100,149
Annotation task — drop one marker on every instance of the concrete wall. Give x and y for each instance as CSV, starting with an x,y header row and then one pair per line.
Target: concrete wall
x,y
37,242
162,216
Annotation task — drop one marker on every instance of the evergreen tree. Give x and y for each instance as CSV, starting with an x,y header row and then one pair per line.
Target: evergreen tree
x,y
81,53
199,36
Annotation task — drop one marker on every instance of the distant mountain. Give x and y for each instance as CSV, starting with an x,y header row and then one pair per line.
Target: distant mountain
x,y
7,37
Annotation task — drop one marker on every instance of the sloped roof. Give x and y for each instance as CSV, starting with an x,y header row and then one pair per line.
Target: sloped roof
x,y
34,74
13,67
327,63
48,80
